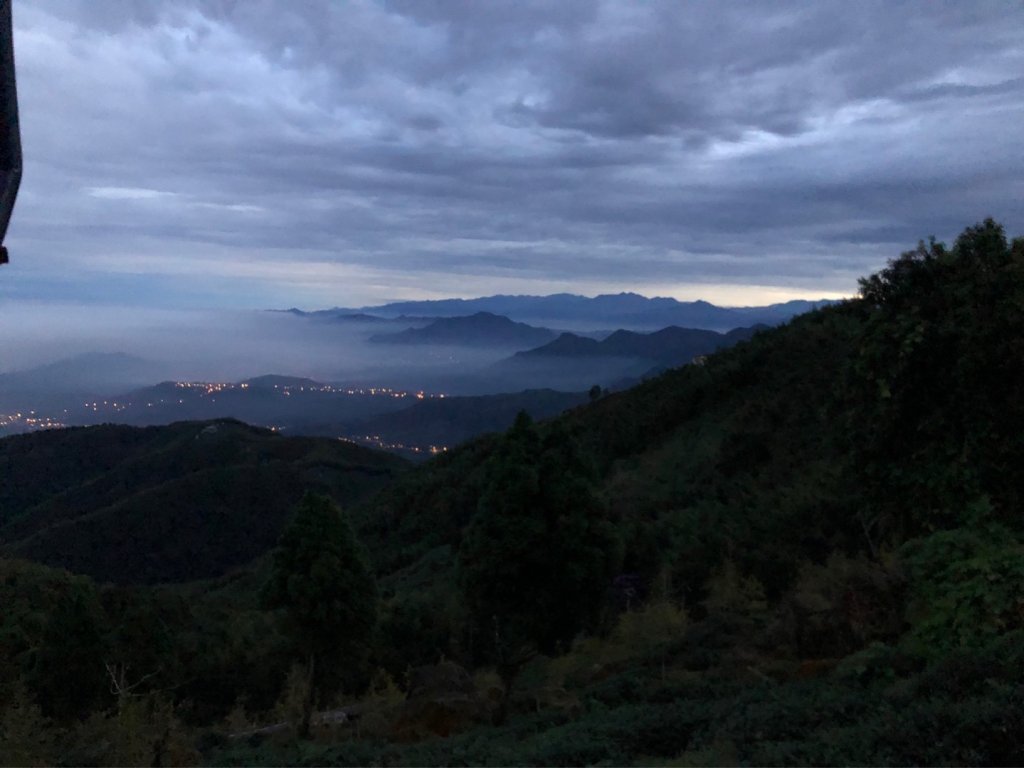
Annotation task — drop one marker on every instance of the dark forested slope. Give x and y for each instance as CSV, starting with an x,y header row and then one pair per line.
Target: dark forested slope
x,y
743,448
856,426
449,421
835,503
186,501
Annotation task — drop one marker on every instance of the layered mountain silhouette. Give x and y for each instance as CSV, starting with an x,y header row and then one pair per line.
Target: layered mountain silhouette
x,y
669,346
622,310
481,329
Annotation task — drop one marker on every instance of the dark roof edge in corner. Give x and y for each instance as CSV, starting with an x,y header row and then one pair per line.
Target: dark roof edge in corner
x,y
10,131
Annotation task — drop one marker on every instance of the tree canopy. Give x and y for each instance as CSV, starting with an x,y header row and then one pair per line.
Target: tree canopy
x,y
537,559
322,581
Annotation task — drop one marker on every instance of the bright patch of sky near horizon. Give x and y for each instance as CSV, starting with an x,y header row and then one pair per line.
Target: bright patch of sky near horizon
x,y
221,154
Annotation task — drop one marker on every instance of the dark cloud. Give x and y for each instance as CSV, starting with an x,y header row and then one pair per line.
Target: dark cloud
x,y
319,152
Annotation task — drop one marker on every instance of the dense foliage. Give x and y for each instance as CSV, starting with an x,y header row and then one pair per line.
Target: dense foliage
x,y
165,504
321,580
806,549
539,554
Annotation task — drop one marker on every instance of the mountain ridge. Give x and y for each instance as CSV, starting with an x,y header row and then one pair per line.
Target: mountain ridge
x,y
670,346
170,503
479,329
626,309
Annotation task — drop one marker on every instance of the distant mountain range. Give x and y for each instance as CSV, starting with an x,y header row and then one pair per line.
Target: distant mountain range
x,y
622,310
479,329
573,363
669,346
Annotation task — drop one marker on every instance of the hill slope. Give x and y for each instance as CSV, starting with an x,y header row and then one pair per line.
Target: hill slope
x,y
190,500
446,422
852,429
821,526
476,330
669,346
749,428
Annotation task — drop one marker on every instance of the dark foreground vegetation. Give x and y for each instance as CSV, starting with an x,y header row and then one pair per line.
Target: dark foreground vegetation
x,y
805,549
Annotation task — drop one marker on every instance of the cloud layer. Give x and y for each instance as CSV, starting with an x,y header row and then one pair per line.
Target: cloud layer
x,y
227,153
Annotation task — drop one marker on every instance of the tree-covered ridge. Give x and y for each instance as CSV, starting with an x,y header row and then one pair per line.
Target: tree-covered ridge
x,y
805,550
799,438
939,373
850,479
161,504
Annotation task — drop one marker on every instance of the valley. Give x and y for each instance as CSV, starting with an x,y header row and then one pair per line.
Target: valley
x,y
485,367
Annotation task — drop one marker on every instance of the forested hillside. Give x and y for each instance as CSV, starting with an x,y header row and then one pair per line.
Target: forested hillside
x,y
166,504
448,421
806,549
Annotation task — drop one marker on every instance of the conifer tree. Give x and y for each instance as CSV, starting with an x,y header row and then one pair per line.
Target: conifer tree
x,y
321,579
539,555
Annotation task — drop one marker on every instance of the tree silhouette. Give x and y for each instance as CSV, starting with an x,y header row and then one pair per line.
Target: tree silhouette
x,y
322,581
538,557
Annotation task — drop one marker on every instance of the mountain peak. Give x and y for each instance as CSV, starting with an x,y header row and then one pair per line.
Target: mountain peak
x,y
479,329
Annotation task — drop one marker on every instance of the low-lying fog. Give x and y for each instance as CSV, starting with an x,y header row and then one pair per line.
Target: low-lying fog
x,y
66,365
229,346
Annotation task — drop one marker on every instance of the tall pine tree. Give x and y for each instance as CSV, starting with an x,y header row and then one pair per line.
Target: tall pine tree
x,y
540,552
321,579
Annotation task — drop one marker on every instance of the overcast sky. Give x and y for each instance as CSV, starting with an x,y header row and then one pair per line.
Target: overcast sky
x,y
252,153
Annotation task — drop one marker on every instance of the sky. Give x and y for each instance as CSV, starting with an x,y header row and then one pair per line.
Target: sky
x,y
208,154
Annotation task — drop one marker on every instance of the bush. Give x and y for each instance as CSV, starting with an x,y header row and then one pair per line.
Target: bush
x,y
967,587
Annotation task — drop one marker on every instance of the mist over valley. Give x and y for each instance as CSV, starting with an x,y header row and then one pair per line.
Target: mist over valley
x,y
338,372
